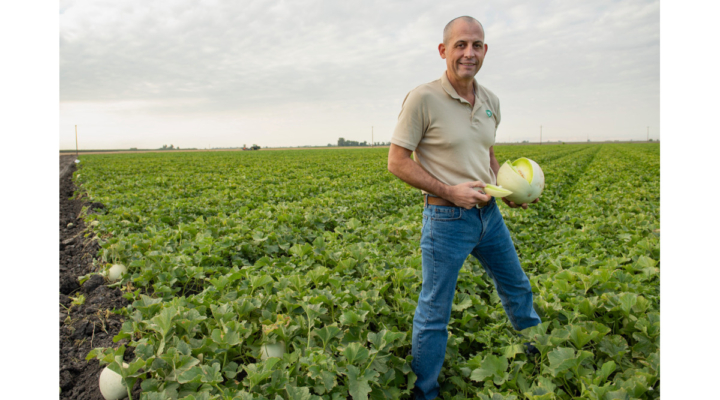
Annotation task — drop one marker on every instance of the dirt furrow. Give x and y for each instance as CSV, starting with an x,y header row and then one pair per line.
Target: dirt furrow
x,y
86,312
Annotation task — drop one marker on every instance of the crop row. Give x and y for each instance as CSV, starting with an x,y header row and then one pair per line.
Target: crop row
x,y
319,250
597,279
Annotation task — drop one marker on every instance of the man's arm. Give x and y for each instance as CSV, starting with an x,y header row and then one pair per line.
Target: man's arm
x,y
401,165
494,164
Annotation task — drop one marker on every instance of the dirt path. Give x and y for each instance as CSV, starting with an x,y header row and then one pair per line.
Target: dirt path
x,y
66,165
92,323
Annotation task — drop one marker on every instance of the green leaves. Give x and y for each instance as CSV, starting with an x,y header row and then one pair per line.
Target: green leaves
x,y
356,353
231,251
579,336
351,317
295,393
462,302
512,350
257,374
384,339
614,346
627,302
604,372
259,281
564,358
583,333
193,374
327,333
491,367
358,382
227,338
543,389
162,322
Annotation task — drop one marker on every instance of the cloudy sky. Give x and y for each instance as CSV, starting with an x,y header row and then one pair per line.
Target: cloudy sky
x,y
292,73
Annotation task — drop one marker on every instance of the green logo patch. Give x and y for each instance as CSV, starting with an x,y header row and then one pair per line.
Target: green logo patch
x,y
489,113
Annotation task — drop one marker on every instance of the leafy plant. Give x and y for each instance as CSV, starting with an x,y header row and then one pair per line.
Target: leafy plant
x,y
230,251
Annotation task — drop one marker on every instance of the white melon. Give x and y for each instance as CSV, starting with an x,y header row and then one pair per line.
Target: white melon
x,y
272,350
112,386
524,178
116,272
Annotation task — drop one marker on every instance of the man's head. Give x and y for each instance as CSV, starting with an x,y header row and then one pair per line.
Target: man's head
x,y
463,48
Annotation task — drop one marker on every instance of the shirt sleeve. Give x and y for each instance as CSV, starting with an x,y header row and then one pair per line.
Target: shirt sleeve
x,y
412,122
497,114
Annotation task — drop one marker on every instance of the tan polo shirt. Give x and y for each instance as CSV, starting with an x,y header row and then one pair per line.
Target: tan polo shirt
x,y
451,139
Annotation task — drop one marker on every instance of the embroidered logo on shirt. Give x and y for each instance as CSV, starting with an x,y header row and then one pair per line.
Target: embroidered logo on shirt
x,y
489,113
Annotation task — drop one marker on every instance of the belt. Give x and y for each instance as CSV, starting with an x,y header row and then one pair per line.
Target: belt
x,y
439,201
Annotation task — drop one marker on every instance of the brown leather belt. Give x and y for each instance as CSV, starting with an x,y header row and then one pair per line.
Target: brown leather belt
x,y
438,201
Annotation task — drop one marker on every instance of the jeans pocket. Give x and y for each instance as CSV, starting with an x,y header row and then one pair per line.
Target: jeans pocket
x,y
444,213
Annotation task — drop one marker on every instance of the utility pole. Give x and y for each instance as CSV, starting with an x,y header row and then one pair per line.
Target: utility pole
x,y
372,135
648,134
77,153
540,134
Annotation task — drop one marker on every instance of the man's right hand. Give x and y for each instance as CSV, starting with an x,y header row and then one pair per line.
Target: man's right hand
x,y
466,195
463,195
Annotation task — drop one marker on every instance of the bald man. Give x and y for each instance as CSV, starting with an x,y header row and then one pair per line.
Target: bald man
x,y
450,125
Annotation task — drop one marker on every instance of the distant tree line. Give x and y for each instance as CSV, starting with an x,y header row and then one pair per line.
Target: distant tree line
x,y
342,142
171,147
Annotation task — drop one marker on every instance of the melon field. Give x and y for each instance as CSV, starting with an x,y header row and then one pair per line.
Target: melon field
x,y
234,255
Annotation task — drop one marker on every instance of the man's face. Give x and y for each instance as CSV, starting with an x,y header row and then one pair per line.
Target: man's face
x,y
465,50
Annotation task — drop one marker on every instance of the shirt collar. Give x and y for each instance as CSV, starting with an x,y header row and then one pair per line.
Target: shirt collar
x,y
449,89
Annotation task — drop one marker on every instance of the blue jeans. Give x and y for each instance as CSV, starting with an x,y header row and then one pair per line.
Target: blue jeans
x,y
449,235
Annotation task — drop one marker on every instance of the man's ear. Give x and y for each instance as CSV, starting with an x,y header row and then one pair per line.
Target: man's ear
x,y
441,50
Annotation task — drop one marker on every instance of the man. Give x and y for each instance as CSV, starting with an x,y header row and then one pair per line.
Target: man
x,y
450,125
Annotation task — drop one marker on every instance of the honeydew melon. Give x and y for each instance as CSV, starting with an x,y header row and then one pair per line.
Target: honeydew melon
x,y
116,271
272,350
112,386
524,178
496,191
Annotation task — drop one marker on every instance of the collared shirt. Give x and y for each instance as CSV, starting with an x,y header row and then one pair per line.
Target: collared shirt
x,y
450,138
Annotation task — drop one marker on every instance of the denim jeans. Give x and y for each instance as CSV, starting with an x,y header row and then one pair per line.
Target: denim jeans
x,y
449,235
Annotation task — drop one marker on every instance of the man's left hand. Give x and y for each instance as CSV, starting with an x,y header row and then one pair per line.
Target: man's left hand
x,y
523,205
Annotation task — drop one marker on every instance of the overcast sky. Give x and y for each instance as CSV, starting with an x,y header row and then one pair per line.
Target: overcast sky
x,y
289,73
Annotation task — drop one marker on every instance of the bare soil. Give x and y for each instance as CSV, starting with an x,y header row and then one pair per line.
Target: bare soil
x,y
95,322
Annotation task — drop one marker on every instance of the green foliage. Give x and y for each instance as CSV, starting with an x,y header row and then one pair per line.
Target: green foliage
x,y
319,249
78,300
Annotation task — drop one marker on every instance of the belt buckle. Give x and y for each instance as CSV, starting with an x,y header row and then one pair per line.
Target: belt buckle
x,y
478,206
